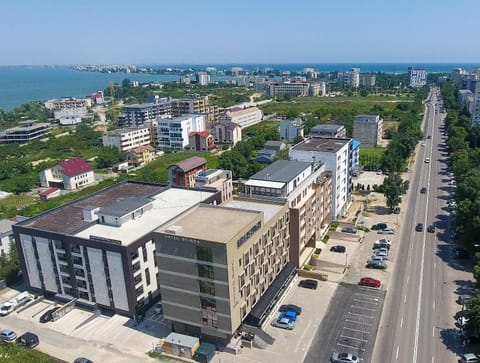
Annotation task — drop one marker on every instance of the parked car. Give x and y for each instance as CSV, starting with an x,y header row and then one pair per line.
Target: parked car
x,y
290,307
382,241
309,284
349,230
289,314
431,228
386,231
28,340
8,335
284,323
419,227
379,226
82,360
377,264
381,245
369,281
343,358
462,321
338,248
469,358
48,315
377,258
423,190
464,299
460,253
396,210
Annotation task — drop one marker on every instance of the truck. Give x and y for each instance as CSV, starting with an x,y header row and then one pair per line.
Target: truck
x,y
12,304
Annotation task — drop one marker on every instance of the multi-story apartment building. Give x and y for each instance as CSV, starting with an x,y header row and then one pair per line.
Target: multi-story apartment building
x,y
349,79
184,172
214,279
242,117
335,154
368,129
201,141
367,80
136,115
25,132
290,89
100,249
173,132
417,77
128,138
475,120
195,103
68,103
328,131
70,174
227,132
203,78
291,129
307,188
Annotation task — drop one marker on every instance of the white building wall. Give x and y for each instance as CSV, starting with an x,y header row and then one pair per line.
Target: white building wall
x,y
45,256
337,163
117,278
5,244
98,276
153,270
30,261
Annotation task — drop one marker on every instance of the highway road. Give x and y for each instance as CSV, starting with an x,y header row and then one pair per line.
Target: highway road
x,y
417,322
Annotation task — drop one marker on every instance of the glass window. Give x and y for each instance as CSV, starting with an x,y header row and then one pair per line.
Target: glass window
x,y
204,254
205,271
206,287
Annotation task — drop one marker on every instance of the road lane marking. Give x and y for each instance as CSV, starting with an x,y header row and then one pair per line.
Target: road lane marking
x,y
358,330
433,304
434,283
348,337
301,340
358,322
408,279
404,299
396,355
360,307
434,265
410,261
366,302
401,323
433,331
366,316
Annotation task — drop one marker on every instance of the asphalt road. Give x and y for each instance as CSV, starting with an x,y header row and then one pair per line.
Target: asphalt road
x,y
417,323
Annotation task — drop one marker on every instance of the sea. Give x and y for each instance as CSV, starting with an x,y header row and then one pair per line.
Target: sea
x,y
23,84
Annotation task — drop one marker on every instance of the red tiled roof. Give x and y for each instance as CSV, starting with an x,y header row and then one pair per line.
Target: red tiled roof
x,y
191,163
48,191
200,133
74,167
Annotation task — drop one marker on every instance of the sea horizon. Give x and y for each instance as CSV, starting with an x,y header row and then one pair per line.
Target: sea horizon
x,y
20,84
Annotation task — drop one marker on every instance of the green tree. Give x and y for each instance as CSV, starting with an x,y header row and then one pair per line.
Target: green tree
x,y
393,189
109,156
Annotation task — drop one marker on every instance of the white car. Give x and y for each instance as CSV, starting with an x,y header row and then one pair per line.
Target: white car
x,y
386,231
382,241
427,159
344,358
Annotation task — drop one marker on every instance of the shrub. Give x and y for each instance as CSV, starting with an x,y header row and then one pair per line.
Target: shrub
x,y
326,238
318,251
308,267
315,256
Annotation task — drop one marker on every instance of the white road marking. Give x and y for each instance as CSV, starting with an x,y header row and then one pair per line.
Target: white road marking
x,y
404,299
360,307
358,322
396,355
358,330
434,283
301,340
366,316
433,331
433,304
408,278
360,340
401,323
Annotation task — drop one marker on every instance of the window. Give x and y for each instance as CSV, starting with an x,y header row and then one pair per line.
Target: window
x,y
139,291
147,276
204,254
206,287
205,271
144,253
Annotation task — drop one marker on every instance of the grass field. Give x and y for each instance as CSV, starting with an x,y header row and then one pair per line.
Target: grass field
x,y
370,157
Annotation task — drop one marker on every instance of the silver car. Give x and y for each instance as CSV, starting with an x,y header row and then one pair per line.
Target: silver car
x,y
386,231
344,358
284,323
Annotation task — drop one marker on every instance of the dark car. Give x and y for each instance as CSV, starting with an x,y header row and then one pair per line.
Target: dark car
x,y
379,226
338,248
419,227
82,360
460,253
381,265
349,230
290,307
396,210
28,340
48,315
309,284
431,228
423,190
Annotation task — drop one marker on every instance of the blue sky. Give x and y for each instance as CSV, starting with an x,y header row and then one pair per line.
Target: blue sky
x,y
247,31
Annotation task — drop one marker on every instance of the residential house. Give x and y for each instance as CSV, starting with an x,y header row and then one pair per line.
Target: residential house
x,y
70,174
291,129
201,141
141,155
184,172
227,132
242,117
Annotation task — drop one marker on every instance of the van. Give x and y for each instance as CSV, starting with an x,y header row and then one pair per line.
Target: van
x,y
464,299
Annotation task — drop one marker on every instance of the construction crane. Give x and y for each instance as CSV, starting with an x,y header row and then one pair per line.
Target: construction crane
x,y
112,97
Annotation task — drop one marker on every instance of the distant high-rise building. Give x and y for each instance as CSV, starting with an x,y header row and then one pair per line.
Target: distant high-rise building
x,y
203,78
349,79
367,80
417,76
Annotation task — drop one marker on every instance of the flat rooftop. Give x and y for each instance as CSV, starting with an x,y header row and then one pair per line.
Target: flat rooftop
x,y
268,209
282,171
331,145
217,224
167,204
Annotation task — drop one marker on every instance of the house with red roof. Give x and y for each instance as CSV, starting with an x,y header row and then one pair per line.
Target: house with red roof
x,y
70,174
49,193
184,172
201,141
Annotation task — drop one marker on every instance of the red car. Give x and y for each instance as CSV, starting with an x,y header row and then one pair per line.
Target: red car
x,y
369,281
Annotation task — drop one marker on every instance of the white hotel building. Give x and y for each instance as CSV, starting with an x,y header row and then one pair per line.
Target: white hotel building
x,y
172,133
128,138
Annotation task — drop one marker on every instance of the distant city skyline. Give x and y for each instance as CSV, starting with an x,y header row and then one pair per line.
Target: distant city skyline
x,y
248,32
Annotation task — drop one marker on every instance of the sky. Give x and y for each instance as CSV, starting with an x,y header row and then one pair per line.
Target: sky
x,y
39,32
